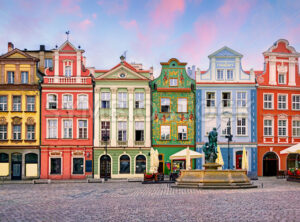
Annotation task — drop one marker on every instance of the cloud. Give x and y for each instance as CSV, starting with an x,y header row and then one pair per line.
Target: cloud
x,y
70,7
114,6
94,15
85,24
129,24
166,12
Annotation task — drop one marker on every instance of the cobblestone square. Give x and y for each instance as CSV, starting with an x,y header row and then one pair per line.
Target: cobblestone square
x,y
277,200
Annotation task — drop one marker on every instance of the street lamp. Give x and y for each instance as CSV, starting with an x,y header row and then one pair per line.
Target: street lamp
x,y
229,138
105,138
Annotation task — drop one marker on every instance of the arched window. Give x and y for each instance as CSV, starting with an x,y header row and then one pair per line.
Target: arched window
x,y
124,164
3,158
140,164
31,158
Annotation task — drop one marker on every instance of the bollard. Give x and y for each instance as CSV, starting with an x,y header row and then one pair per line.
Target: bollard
x,y
262,185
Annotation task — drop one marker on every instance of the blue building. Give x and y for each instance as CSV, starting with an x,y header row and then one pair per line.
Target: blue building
x,y
226,99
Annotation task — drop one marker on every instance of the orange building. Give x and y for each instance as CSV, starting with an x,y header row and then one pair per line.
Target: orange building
x,y
278,114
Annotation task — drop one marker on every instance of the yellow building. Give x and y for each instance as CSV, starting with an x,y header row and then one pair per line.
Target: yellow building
x,y
19,115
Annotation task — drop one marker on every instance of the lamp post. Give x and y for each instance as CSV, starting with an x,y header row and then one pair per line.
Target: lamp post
x,y
229,138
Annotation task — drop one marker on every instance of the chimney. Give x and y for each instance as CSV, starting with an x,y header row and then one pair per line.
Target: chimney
x,y
42,47
151,73
10,46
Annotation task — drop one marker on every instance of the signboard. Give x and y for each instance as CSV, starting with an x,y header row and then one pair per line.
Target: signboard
x,y
88,166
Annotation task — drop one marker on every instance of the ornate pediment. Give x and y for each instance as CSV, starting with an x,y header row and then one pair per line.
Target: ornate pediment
x,y
30,121
282,69
16,120
3,121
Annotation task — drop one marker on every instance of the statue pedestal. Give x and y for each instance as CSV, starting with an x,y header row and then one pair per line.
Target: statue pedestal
x,y
212,166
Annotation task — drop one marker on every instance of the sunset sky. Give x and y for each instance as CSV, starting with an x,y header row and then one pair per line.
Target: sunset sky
x,y
152,31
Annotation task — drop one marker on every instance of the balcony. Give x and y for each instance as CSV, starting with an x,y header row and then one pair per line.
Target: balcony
x,y
139,143
68,80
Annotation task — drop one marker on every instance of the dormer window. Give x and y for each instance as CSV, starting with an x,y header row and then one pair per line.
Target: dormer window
x,y
68,68
173,82
220,74
281,78
229,74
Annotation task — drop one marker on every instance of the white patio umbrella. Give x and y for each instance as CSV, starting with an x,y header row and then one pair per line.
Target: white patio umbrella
x,y
181,155
292,149
156,161
245,160
219,159
151,160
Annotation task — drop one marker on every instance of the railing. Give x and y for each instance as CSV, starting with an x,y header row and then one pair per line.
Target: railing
x,y
67,80
122,143
139,143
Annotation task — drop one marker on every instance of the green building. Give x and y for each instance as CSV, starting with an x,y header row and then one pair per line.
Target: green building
x,y
173,114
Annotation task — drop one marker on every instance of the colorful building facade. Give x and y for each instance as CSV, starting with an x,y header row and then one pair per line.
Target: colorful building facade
x,y
19,115
173,116
278,110
226,100
67,117
122,138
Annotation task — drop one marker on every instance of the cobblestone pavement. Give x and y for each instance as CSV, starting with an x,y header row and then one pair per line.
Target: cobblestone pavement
x,y
278,200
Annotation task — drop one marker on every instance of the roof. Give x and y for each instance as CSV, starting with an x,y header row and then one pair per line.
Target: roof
x,y
16,50
126,64
173,59
225,52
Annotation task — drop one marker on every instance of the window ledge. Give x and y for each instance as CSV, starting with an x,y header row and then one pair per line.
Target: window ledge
x,y
182,140
51,109
83,109
51,138
82,138
30,140
165,112
5,140
30,111
67,109
241,135
14,111
67,138
165,140
139,108
4,111
13,140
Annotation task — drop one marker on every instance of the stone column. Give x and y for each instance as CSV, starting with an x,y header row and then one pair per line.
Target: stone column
x,y
113,117
148,118
272,66
213,69
17,74
292,73
78,64
97,118
56,64
130,119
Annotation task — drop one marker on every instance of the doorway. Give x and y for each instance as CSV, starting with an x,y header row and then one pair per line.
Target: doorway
x,y
238,159
16,166
105,164
270,164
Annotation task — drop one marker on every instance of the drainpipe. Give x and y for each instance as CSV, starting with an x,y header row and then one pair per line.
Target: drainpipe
x,y
40,127
93,126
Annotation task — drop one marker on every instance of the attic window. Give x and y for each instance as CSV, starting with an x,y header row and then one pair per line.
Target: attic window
x,y
122,75
173,64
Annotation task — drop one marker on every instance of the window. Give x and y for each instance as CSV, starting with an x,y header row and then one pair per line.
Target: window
x,y
164,105
281,78
82,102
173,82
52,101
241,99
296,102
105,130
268,127
124,164
139,100
282,124
182,105
77,165
241,126
24,77
68,71
268,101
3,103
296,128
67,102
210,99
52,128
3,132
122,100
68,129
226,99
30,106
229,74
105,99
4,158
82,129
48,63
55,166
16,103
31,158
225,126
30,132
182,132
220,74
16,132
140,164
139,131
165,132
10,77
282,102
122,131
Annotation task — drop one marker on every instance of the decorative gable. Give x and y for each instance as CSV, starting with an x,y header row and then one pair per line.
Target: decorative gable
x,y
225,52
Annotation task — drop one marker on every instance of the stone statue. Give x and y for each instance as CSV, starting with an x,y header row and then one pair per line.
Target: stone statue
x,y
210,148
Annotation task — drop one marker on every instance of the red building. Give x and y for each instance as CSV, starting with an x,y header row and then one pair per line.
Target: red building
x,y
67,116
278,95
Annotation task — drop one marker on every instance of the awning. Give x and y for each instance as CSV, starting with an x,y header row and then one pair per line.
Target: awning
x,y
292,149
182,155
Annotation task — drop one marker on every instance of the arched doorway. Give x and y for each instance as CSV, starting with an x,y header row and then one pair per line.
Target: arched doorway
x,y
105,165
140,164
16,166
270,164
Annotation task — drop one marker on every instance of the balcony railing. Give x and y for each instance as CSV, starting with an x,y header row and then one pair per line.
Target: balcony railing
x,y
67,80
139,143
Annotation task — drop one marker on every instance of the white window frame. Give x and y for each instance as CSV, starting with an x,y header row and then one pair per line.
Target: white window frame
x,y
4,105
30,133
140,98
184,134
229,79
272,127
224,125
68,103
220,79
166,98
102,131
10,77
286,101
279,127
50,94
294,104
296,128
239,101
123,100
31,105
18,133
61,164
228,100
137,127
272,101
122,127
182,108
211,100
284,78
27,77
69,65
173,83
18,105
46,63
63,128
87,129
105,98
161,129
3,133
48,130
72,164
85,103
245,126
